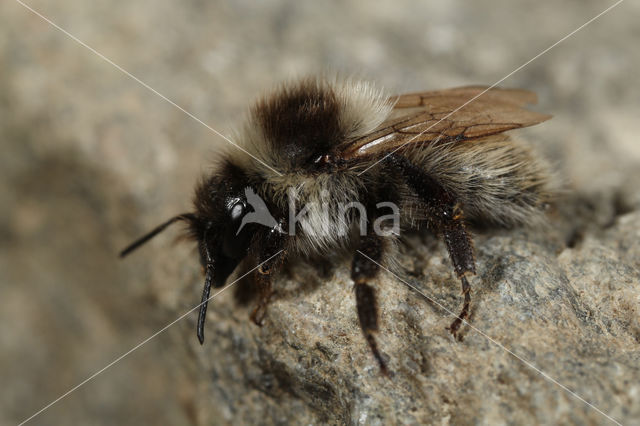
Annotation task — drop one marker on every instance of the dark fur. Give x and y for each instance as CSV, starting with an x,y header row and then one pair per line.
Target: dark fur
x,y
302,122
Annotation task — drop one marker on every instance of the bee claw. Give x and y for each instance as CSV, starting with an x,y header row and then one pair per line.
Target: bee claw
x,y
257,316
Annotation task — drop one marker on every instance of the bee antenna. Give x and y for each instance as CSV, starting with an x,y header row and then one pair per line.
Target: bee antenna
x,y
155,231
206,291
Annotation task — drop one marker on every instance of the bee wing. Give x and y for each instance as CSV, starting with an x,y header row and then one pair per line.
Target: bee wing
x,y
516,97
450,115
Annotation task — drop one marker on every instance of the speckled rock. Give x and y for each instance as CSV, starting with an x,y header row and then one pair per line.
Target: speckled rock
x,y
92,159
542,312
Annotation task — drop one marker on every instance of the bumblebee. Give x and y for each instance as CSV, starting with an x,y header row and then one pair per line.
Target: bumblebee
x,y
318,159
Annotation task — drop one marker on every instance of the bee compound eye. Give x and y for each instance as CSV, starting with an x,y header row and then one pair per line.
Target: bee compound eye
x,y
237,211
236,236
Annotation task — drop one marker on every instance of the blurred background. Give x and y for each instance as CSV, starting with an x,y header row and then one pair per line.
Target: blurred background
x,y
91,158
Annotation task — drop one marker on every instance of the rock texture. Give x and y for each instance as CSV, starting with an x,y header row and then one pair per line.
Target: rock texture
x,y
92,159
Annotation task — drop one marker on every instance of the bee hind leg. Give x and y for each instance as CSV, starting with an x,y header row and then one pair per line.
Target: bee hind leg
x,y
460,248
446,218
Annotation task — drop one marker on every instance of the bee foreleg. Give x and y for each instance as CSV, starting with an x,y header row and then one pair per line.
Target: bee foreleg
x,y
270,244
265,291
363,269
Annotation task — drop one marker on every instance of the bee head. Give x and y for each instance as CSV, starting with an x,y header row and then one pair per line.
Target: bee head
x,y
222,206
219,223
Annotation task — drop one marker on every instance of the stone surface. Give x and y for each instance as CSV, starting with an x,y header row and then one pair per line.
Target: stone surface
x,y
91,158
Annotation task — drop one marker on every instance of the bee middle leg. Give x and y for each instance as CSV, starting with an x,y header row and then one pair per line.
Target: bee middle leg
x,y
364,268
445,217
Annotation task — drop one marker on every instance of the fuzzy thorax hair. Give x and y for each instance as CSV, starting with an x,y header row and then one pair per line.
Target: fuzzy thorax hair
x,y
495,178
303,120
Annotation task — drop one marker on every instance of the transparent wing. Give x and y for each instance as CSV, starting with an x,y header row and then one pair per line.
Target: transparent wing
x,y
450,115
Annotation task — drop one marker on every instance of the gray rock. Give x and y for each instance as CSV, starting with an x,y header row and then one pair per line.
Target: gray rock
x,y
542,313
92,159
